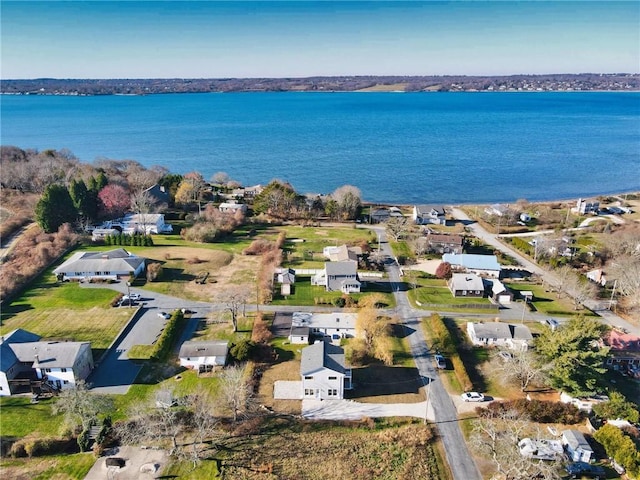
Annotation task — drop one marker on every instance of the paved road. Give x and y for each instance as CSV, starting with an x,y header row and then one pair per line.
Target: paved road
x,y
607,316
444,411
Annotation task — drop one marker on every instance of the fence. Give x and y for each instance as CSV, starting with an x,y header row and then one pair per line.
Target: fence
x,y
446,306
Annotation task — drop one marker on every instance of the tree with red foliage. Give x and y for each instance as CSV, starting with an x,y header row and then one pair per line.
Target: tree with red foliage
x,y
444,270
115,200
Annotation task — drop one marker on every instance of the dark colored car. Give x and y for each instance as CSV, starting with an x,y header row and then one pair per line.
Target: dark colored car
x,y
583,469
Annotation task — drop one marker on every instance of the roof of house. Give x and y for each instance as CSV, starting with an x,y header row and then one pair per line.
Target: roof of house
x,y
429,209
346,268
448,239
143,218
49,354
469,260
498,287
322,355
116,260
622,341
218,348
232,206
7,356
324,320
466,281
575,439
502,331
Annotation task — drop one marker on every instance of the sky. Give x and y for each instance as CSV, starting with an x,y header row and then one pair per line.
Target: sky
x,y
196,39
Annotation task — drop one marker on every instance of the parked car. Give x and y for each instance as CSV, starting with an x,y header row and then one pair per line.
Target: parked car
x,y
164,315
552,323
441,362
584,469
472,397
133,296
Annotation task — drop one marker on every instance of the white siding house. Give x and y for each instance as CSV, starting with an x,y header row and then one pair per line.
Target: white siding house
x,y
514,337
330,327
338,277
323,372
577,446
203,356
112,264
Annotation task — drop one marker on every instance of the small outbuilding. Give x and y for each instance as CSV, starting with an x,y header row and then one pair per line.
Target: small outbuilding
x,y
577,446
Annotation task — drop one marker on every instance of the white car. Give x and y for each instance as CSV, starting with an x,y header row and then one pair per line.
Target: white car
x,y
164,315
472,397
133,296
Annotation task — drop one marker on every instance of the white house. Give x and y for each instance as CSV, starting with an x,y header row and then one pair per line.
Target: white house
x,y
426,214
514,337
59,364
500,293
483,265
101,233
331,327
203,356
338,277
232,207
586,206
577,446
111,264
324,373
286,277
147,223
597,276
540,449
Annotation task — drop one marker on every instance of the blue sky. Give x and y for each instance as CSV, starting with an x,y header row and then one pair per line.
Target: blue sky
x,y
191,39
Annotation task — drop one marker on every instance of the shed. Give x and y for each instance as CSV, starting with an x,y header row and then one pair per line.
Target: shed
x,y
577,446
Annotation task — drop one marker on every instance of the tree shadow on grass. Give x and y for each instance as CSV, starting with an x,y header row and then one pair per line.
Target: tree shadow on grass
x,y
176,275
13,310
400,330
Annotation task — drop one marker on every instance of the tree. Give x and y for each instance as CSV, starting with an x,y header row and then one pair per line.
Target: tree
x,y
495,437
277,199
397,227
444,271
236,393
522,368
576,361
349,201
617,407
204,424
114,200
620,447
81,407
220,178
54,208
374,331
580,289
234,299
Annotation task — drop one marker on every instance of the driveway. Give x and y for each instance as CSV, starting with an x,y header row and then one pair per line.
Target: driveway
x,y
115,373
140,464
351,410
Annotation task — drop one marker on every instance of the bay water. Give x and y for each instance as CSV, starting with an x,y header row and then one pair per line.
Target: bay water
x,y
398,148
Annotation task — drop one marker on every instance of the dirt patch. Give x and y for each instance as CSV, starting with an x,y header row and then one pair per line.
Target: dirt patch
x,y
428,266
241,270
280,371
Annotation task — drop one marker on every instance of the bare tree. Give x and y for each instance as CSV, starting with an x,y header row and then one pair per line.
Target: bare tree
x,y
234,300
564,276
204,425
236,394
522,368
349,201
397,227
580,289
79,406
496,437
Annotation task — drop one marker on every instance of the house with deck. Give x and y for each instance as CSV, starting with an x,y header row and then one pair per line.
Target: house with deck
x,y
324,373
338,277
204,356
108,265
429,214
624,352
330,327
26,363
514,337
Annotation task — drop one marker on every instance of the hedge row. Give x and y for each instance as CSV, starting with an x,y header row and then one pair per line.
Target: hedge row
x,y
445,343
539,411
167,337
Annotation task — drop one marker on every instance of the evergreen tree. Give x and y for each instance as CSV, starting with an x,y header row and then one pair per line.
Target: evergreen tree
x,y
54,208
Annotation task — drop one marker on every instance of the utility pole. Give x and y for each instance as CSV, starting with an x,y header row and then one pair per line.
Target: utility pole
x,y
613,292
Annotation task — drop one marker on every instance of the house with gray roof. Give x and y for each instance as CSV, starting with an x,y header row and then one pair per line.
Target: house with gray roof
x,y
204,356
324,373
426,214
330,327
110,265
444,243
466,285
483,265
514,337
577,446
338,277
24,358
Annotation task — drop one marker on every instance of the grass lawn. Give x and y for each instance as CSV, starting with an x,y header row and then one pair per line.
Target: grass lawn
x,y
431,292
546,302
401,249
16,411
57,467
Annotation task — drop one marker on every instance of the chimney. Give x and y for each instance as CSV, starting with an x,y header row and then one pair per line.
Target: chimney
x,y
37,357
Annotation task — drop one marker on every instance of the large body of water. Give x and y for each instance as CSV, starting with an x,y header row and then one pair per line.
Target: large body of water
x,y
397,148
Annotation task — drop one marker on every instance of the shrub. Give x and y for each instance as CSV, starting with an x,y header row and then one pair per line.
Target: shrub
x,y
243,350
168,337
261,332
540,411
339,302
461,373
154,271
258,247
116,301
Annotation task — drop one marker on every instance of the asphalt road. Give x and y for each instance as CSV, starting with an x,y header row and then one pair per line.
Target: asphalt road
x,y
444,411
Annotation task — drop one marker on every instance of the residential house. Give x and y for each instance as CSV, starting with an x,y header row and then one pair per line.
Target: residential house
x,y
232,207
26,361
342,253
584,207
500,293
102,233
444,243
330,327
624,351
110,265
577,446
286,277
338,277
585,403
514,337
146,223
483,265
159,195
466,285
597,276
498,210
381,215
204,356
324,373
540,449
426,214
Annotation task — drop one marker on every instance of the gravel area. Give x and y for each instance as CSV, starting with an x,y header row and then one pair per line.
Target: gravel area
x,y
350,410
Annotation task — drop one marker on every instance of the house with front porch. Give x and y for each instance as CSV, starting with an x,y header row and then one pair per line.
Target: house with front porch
x,y
514,337
429,214
338,277
203,356
108,265
324,373
466,285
